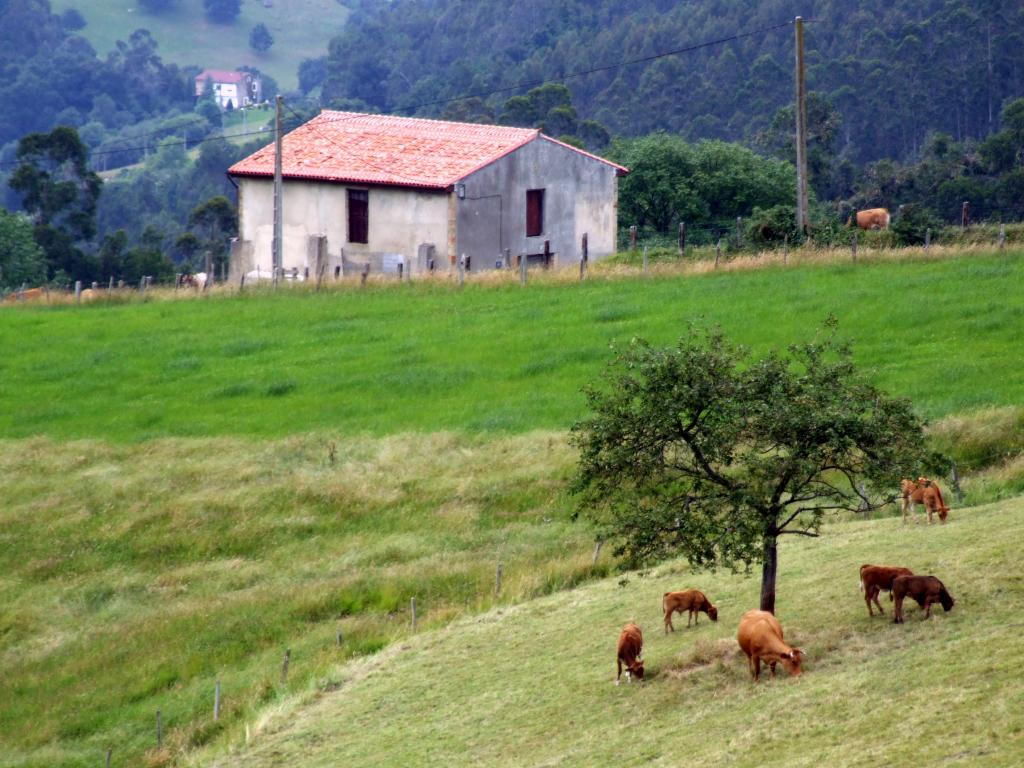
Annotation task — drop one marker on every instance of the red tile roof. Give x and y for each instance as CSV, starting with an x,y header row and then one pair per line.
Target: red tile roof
x,y
384,149
220,76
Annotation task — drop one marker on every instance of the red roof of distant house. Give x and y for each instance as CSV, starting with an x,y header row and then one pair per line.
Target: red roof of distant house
x,y
221,76
384,149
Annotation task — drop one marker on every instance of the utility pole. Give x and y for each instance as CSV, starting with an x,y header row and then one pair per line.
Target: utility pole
x,y
277,262
802,215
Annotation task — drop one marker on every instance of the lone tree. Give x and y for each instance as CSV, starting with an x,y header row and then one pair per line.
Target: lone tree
x,y
705,451
260,38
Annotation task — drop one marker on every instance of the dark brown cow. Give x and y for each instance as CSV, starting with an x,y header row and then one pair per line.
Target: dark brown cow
x,y
871,218
878,578
760,637
925,590
692,601
631,645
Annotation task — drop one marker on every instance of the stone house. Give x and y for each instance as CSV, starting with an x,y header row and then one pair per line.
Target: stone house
x,y
230,89
382,190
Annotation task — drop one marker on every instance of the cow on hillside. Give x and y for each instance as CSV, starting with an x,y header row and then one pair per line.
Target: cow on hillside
x,y
760,637
631,645
926,492
878,578
692,601
872,218
925,590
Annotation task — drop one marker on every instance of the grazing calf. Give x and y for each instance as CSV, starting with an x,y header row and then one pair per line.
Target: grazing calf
x,y
878,578
760,637
923,491
925,590
631,645
692,601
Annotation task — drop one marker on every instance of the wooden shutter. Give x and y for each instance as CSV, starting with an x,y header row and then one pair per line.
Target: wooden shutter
x,y
358,216
534,212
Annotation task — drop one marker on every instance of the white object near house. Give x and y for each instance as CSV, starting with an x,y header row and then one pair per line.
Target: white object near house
x,y
231,90
379,186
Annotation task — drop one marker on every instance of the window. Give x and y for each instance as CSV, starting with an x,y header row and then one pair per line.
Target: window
x,y
358,216
534,212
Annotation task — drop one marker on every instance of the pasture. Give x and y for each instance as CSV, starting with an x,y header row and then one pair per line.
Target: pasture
x,y
301,30
532,684
192,487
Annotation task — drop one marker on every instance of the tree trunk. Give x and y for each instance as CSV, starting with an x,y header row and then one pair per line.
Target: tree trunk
x,y
769,569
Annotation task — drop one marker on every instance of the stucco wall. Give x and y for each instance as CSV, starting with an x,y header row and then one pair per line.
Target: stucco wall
x,y
399,220
580,195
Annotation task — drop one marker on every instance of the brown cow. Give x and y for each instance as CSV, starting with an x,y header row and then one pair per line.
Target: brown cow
x,y
760,637
923,589
926,492
872,218
692,601
29,294
875,579
631,645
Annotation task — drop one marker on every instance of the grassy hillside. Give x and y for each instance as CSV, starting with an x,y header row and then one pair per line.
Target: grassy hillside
x,y
301,30
532,686
426,356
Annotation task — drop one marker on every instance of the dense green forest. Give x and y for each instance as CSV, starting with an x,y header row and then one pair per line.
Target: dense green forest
x,y
915,106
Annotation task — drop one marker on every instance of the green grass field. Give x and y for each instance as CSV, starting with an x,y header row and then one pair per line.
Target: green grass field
x,y
301,30
426,357
532,685
193,486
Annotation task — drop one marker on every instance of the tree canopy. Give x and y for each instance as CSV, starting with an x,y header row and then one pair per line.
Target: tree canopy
x,y
707,451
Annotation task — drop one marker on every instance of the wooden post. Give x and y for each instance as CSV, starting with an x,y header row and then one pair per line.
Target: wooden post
x,y
216,701
1002,237
401,269
853,247
682,239
339,638
159,730
321,261
276,252
142,284
597,551
508,258
110,285
412,606
645,259
584,256
78,291
718,252
109,753
177,281
462,269
927,239
497,580
284,665
955,482
632,237
785,249
547,254
522,269
965,215
802,213
241,284
364,274
865,506
739,232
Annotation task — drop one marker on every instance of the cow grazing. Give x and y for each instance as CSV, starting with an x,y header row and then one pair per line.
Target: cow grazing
x,y
878,578
872,218
28,294
760,637
925,590
631,645
692,601
926,492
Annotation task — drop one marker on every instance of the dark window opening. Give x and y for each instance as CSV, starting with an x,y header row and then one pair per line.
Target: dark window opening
x,y
358,216
534,212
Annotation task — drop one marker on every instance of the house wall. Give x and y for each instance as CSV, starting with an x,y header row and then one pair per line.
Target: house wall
x,y
399,221
580,195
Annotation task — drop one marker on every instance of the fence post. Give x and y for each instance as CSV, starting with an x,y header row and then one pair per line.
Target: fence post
x,y
284,665
927,239
597,551
497,580
645,259
508,258
78,291
632,237
522,268
110,285
1002,237
965,215
216,701
955,482
401,269
785,250
338,637
682,239
159,731
412,605
853,247
364,274
109,753
865,506
718,252
462,268
547,254
739,232
584,256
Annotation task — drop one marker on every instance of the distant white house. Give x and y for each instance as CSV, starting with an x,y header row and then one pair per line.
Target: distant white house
x,y
230,89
